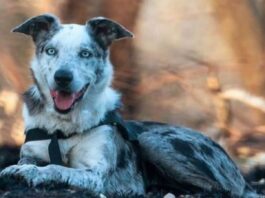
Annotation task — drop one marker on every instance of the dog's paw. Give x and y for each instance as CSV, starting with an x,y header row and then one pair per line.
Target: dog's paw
x,y
9,171
18,171
26,173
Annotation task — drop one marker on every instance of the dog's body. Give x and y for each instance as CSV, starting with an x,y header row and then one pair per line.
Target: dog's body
x,y
72,93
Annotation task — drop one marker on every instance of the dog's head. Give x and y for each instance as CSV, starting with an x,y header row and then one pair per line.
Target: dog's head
x,y
72,61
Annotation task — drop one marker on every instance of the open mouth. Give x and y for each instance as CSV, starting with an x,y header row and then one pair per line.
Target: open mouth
x,y
64,101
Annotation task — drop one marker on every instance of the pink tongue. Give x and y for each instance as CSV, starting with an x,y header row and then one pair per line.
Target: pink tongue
x,y
63,101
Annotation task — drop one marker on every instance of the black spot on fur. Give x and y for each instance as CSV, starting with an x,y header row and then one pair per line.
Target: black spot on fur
x,y
98,72
187,150
183,147
98,51
124,157
121,159
207,150
33,103
41,43
37,84
203,167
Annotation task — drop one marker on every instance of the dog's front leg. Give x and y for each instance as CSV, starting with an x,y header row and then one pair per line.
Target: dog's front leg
x,y
80,178
34,152
55,174
90,160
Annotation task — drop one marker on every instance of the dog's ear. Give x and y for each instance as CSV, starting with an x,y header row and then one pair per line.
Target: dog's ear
x,y
38,26
106,31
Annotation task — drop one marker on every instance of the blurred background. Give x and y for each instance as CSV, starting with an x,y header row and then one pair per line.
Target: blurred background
x,y
196,63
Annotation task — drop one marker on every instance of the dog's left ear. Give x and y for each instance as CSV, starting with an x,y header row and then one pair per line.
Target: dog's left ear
x,y
106,31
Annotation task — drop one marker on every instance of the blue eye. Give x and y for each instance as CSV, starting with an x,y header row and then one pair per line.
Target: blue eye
x,y
85,54
51,51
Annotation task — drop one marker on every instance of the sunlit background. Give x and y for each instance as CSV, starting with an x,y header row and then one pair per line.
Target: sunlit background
x,y
198,63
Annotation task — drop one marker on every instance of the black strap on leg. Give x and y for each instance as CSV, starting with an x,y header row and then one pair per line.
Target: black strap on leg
x,y
54,151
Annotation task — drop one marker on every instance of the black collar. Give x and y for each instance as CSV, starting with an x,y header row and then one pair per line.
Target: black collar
x,y
112,118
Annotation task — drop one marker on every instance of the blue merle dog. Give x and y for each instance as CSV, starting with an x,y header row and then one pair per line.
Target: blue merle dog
x,y
72,94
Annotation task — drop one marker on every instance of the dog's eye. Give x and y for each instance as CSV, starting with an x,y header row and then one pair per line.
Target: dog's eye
x,y
85,54
51,51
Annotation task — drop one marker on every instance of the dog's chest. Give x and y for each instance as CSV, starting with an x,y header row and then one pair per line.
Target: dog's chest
x,y
86,150
79,151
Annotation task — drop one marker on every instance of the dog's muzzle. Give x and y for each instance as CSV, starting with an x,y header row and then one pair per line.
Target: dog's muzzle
x,y
64,99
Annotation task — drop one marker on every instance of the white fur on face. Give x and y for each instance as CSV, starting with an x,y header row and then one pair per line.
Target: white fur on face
x,y
71,35
68,43
99,97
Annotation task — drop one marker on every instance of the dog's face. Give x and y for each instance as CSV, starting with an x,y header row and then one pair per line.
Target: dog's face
x,y
71,60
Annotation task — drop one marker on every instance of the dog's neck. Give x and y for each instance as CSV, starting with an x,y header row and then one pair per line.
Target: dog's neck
x,y
39,113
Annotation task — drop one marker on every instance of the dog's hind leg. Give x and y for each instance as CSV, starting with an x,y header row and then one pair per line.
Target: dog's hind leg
x,y
188,157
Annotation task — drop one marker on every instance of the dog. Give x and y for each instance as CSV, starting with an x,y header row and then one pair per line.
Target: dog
x,y
72,94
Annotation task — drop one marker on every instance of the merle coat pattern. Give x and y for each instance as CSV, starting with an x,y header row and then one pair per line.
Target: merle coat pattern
x,y
72,92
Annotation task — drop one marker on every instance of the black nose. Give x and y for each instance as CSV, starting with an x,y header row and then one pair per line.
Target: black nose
x,y
63,77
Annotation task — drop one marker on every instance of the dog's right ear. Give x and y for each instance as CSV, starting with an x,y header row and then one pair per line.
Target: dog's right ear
x,y
38,26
